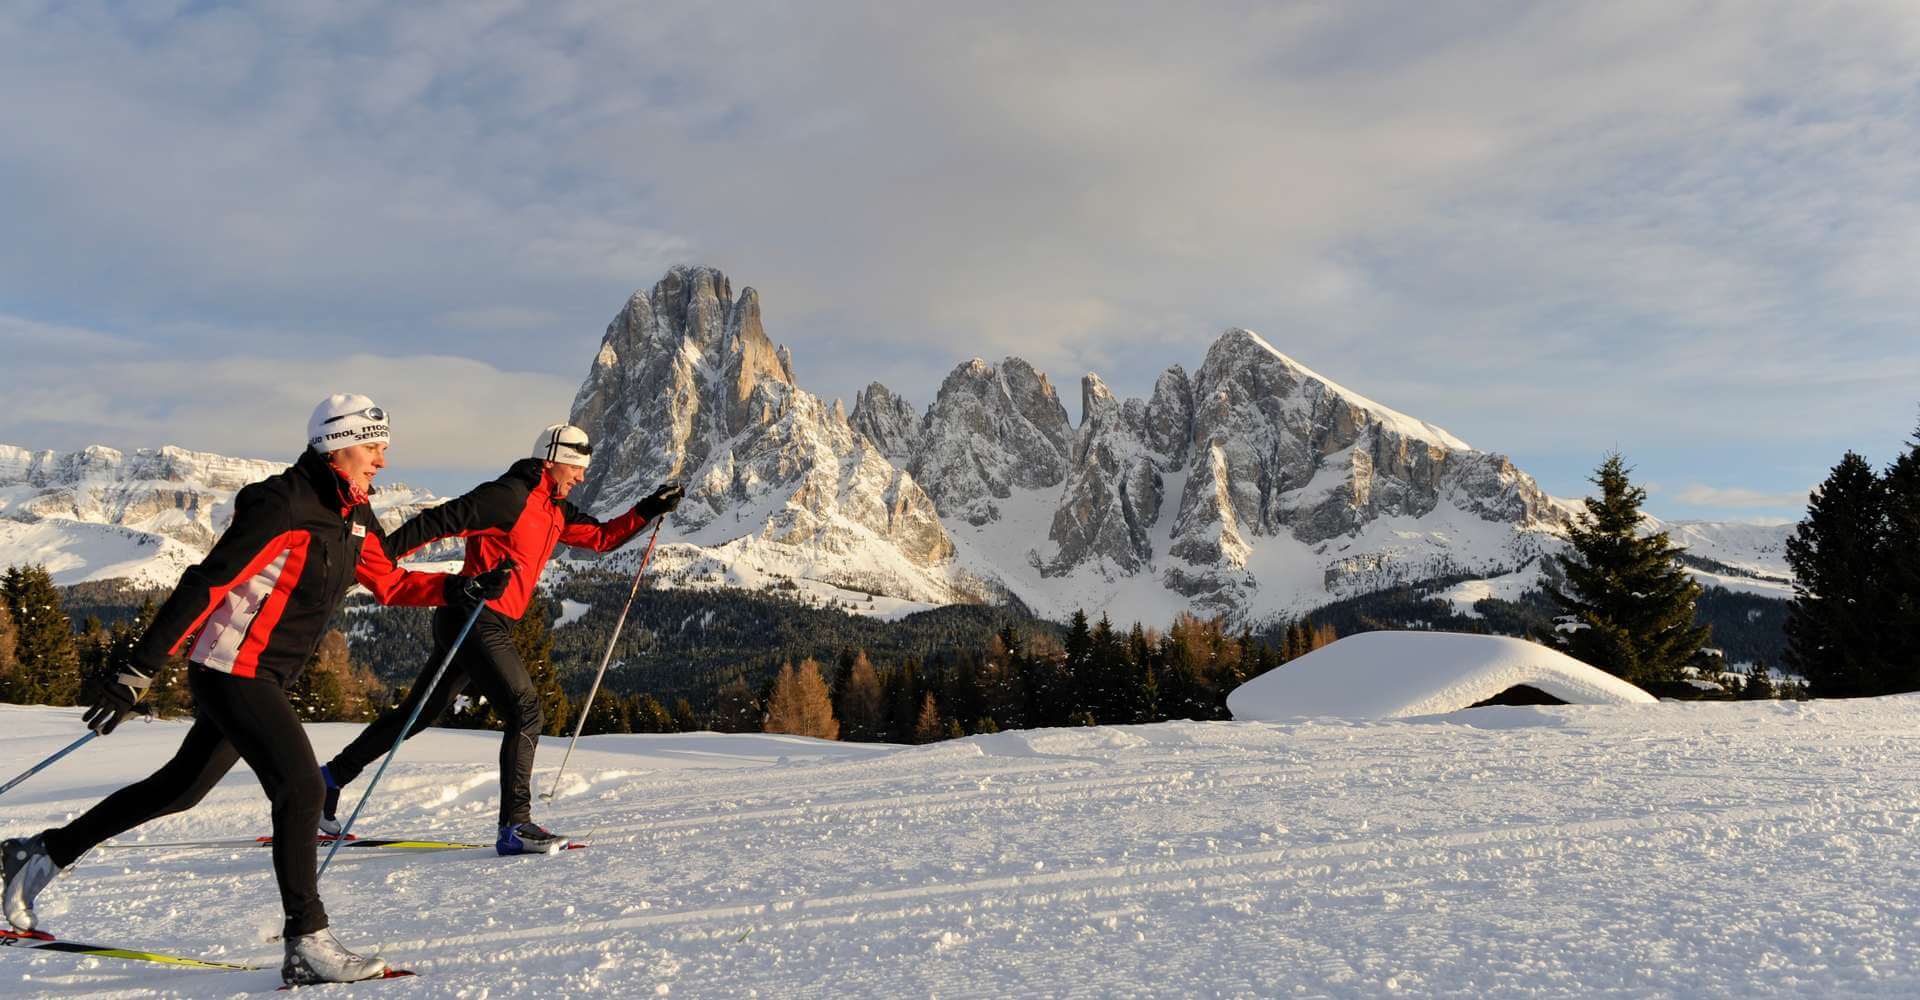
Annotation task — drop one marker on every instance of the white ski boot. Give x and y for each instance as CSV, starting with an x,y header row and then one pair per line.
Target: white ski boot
x,y
28,870
320,958
330,825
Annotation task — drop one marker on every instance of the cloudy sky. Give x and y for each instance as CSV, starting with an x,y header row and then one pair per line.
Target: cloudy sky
x,y
1689,232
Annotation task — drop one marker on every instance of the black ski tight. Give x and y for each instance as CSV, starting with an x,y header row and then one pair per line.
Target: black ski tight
x,y
235,718
488,659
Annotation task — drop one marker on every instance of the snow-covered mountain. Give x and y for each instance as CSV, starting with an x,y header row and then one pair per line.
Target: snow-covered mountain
x,y
1254,488
101,514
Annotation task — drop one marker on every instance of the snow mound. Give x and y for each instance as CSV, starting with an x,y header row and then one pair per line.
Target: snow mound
x,y
1391,675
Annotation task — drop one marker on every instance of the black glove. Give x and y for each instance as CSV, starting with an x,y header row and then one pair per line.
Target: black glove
x,y
117,697
469,592
661,501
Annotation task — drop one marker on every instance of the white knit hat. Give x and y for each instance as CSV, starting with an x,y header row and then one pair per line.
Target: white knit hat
x,y
346,419
563,443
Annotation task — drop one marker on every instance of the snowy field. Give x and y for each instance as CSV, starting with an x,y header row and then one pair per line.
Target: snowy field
x,y
1646,851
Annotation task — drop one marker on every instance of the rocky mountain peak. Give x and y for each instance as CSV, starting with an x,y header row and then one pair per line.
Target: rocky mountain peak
x,y
889,421
682,367
991,430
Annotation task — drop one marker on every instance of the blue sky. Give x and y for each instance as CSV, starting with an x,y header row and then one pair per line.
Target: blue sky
x,y
1688,232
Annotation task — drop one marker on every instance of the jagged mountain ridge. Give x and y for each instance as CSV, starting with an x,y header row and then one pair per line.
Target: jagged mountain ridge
x,y
1253,488
145,516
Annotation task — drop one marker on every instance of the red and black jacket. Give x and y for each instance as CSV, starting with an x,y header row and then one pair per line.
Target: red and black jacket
x,y
261,599
514,516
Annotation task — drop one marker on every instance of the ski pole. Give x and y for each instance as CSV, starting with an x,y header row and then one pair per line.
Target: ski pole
x,y
604,660
425,693
37,768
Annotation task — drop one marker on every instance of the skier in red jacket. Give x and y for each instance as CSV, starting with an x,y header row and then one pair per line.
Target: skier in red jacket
x,y
259,604
520,517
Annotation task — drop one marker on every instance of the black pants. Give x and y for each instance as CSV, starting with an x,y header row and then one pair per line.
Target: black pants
x,y
235,718
487,659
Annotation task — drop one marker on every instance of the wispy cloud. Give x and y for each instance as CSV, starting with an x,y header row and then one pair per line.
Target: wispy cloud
x,y
450,414
1551,228
1739,498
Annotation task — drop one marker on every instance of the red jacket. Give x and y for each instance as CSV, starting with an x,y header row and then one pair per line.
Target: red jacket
x,y
262,597
515,516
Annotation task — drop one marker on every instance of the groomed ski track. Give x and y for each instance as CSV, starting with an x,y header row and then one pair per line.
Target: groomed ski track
x,y
1692,850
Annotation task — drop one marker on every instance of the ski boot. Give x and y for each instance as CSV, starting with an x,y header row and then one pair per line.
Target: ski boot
x,y
320,958
329,812
528,838
28,870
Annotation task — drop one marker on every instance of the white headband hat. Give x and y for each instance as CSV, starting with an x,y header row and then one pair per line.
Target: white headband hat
x,y
345,419
563,443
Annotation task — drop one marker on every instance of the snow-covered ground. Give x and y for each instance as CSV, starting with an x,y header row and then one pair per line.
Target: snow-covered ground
x,y
1733,849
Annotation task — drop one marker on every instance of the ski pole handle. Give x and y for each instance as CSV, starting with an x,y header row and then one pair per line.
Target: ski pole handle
x,y
421,703
37,768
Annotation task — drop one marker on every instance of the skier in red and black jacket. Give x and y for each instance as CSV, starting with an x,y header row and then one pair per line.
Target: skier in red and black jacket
x,y
521,517
258,604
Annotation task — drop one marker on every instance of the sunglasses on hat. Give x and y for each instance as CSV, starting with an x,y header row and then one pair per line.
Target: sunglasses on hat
x,y
373,413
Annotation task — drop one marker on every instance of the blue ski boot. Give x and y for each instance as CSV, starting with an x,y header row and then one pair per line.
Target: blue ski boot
x,y
528,838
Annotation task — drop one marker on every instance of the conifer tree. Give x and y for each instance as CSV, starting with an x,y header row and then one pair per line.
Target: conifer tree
x,y
6,645
1627,588
860,704
800,706
684,719
928,726
533,638
1079,679
1002,687
1837,624
607,714
902,685
647,715
1901,568
1106,685
1144,675
168,696
1758,686
322,691
736,710
46,666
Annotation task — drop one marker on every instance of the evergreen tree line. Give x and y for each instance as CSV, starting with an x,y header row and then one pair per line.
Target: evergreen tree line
x,y
1854,626
1094,675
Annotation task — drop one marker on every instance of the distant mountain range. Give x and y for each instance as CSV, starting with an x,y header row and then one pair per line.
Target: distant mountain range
x,y
1253,487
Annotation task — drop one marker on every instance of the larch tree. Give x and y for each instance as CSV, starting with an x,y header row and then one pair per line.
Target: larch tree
x,y
800,705
862,707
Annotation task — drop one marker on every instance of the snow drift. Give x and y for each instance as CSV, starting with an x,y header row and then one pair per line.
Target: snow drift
x,y
1389,675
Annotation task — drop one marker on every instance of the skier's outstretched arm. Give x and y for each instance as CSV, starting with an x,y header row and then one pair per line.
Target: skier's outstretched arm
x,y
377,571
585,531
492,504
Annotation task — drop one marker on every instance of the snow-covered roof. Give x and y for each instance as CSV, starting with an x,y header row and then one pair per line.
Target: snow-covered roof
x,y
1387,675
